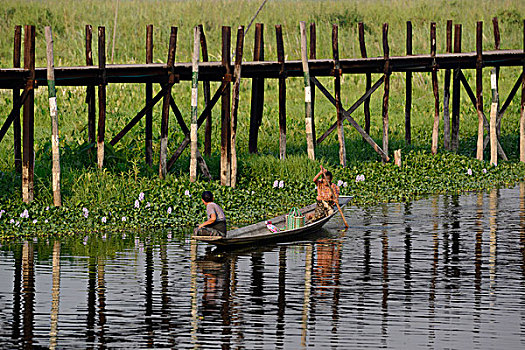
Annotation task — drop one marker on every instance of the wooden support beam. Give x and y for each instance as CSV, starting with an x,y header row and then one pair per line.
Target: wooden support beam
x,y
347,115
225,109
55,141
337,93
28,160
282,92
206,93
435,88
454,136
194,98
472,98
101,96
522,116
366,105
479,88
257,102
163,170
307,93
235,102
408,89
446,93
350,110
90,90
386,55
17,131
493,117
313,56
149,96
17,104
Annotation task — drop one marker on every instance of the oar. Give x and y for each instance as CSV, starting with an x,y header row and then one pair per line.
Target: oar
x,y
337,200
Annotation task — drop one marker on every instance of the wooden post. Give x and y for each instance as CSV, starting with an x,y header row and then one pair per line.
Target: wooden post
x,y
397,157
235,103
497,46
307,93
386,52
206,93
163,169
282,92
446,93
522,117
454,137
90,90
57,199
257,102
17,132
225,109
28,160
479,88
313,56
435,87
337,94
101,96
408,89
366,104
493,118
149,95
194,96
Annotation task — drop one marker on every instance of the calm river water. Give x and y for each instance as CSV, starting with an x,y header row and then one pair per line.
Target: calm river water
x,y
444,272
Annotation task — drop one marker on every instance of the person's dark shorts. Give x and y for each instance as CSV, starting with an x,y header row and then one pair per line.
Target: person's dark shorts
x,y
218,228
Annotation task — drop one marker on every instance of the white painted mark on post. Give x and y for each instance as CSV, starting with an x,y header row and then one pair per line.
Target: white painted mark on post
x,y
53,106
194,97
307,94
493,82
193,133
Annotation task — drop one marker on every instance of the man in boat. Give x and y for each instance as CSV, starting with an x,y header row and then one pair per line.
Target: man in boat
x,y
327,195
216,223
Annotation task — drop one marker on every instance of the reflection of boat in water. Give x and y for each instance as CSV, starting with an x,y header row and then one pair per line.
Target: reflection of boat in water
x,y
259,232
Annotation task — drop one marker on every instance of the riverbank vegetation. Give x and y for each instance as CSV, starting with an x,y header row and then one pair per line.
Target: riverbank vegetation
x,y
128,195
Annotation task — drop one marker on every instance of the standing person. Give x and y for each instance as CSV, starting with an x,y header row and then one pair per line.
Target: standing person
x,y
216,223
327,195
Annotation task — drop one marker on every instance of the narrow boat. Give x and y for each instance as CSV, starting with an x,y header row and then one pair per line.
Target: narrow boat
x,y
258,232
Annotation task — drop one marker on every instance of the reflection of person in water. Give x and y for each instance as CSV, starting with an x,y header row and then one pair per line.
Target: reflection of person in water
x,y
328,265
215,269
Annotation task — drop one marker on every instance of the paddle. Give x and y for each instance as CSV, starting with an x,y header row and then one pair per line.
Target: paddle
x,y
333,194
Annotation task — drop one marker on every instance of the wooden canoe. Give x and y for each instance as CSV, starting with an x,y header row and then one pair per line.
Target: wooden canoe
x,y
258,232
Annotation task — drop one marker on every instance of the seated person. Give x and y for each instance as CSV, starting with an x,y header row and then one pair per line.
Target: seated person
x,y
327,195
216,223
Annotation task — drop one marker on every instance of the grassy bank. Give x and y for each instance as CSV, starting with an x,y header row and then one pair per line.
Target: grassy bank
x,y
113,192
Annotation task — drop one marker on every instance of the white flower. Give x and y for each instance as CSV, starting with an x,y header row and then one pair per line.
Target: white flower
x,y
281,184
12,221
340,183
124,219
137,204
104,219
484,171
35,221
46,221
148,204
187,193
47,208
141,196
169,235
345,184
275,183
469,171
25,214
169,210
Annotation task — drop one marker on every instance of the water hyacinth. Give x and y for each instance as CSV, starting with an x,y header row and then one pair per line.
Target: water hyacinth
x,y
1,213
340,183
85,212
187,193
281,184
104,219
85,240
276,184
46,221
141,196
12,221
137,204
345,184
25,214
35,221
169,210
359,178
148,204
124,219
484,171
469,171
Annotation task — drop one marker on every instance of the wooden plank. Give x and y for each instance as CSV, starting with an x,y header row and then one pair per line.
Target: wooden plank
x,y
282,92
257,101
456,95
225,109
350,110
307,93
479,88
206,94
17,130
366,105
347,115
235,103
194,111
386,54
28,160
446,93
101,96
57,198
435,88
337,93
408,89
166,105
90,89
493,117
313,56
149,96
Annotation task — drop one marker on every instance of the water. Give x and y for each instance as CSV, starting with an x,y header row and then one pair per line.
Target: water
x,y
445,272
